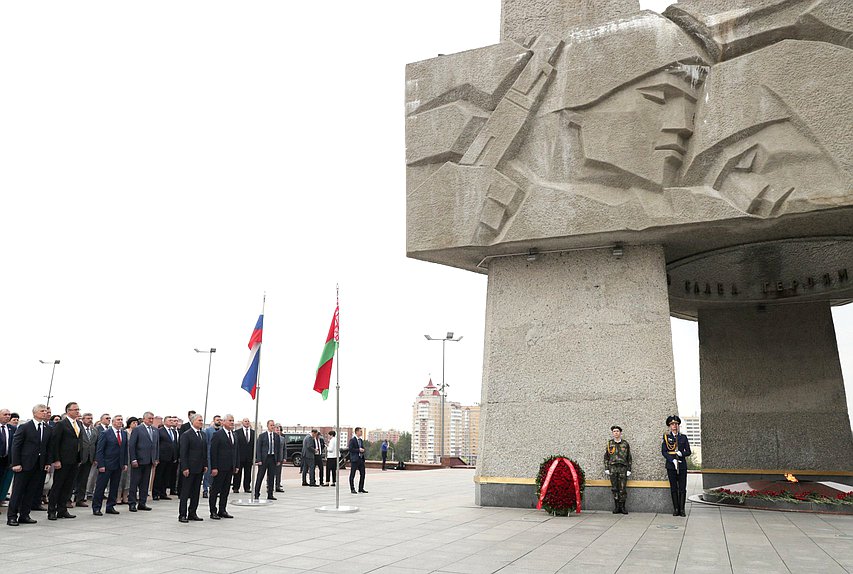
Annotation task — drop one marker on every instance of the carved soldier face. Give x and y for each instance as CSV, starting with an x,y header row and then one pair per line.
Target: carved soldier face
x,y
642,129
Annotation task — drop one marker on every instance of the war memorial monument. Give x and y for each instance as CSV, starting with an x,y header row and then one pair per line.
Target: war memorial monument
x,y
608,168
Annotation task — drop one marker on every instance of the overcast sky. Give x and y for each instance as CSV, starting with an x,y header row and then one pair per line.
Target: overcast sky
x,y
163,164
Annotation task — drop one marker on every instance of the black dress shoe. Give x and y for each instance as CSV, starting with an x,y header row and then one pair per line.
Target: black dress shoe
x,y
98,512
51,516
353,492
112,511
195,518
225,515
165,498
183,519
26,520
214,516
132,508
66,514
11,522
279,489
314,485
271,497
235,490
143,507
362,491
323,484
40,508
305,484
204,495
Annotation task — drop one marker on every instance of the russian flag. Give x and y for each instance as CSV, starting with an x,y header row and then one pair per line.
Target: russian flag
x,y
250,380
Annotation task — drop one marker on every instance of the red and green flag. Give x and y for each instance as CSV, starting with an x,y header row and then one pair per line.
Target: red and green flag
x,y
324,369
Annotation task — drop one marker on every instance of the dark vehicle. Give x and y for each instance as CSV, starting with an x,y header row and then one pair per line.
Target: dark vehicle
x,y
293,447
293,450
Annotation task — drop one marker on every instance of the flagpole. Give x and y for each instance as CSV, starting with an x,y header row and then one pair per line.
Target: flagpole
x,y
338,507
338,400
258,402
252,500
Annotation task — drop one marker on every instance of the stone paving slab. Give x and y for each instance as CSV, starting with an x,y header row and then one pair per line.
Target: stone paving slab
x,y
422,522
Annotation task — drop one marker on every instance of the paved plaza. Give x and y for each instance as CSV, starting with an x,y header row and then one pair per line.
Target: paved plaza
x,y
418,522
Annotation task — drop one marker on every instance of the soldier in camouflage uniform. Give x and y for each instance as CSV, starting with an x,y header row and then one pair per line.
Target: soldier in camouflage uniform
x,y
617,465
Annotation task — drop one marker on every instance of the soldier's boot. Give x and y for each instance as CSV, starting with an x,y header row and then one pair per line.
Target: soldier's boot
x,y
622,507
683,500
615,506
676,504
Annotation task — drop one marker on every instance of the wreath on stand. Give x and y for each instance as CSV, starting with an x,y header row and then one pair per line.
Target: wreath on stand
x,y
559,485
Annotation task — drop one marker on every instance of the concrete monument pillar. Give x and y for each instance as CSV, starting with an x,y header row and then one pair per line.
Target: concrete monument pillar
x,y
773,397
575,342
711,144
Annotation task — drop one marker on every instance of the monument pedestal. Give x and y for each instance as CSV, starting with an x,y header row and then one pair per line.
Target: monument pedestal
x,y
575,342
772,394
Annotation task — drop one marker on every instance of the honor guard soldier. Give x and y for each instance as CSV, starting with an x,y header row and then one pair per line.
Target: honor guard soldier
x,y
617,465
675,448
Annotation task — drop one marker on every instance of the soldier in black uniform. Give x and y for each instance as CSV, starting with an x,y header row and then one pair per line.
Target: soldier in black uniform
x,y
675,448
617,465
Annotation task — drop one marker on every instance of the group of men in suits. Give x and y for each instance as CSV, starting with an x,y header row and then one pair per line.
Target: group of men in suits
x,y
74,445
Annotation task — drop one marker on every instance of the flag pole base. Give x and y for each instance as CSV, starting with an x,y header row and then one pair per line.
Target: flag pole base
x,y
337,509
251,502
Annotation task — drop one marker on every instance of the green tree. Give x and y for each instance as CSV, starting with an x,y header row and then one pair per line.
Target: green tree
x,y
403,448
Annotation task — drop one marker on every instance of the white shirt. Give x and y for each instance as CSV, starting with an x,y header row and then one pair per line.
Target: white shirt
x,y
332,448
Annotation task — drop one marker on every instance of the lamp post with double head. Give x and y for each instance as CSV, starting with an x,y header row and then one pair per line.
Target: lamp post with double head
x,y
52,371
444,385
207,389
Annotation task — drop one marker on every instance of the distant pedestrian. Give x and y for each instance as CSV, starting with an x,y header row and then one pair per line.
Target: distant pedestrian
x,y
617,466
384,452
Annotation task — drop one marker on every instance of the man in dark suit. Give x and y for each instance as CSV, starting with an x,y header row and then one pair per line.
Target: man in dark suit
x,y
6,433
88,448
143,451
112,461
318,458
268,455
65,455
29,460
356,453
246,437
193,457
165,475
675,448
181,430
224,451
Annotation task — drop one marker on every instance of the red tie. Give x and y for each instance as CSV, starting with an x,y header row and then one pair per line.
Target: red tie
x,y
118,436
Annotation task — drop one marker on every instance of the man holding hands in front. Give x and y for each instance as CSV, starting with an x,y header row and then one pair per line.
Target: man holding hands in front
x,y
193,461
224,463
29,460
111,455
144,452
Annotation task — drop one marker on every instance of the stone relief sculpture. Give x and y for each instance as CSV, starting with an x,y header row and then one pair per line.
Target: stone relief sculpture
x,y
718,110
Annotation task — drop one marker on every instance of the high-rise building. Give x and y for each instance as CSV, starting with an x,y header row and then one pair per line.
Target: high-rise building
x,y
378,435
692,427
461,427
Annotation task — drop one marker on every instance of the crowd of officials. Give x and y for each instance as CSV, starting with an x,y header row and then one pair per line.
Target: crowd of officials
x,y
71,460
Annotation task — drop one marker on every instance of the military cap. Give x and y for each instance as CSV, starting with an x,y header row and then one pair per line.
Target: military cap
x,y
672,418
616,427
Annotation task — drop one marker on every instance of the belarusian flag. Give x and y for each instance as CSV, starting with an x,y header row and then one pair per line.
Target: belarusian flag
x,y
324,369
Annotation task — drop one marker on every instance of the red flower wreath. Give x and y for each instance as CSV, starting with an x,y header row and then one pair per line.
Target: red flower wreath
x,y
564,490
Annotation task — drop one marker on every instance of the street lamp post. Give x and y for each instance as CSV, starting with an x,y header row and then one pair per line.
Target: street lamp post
x,y
207,390
52,371
444,385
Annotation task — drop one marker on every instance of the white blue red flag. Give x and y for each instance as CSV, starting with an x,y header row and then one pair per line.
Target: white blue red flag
x,y
250,380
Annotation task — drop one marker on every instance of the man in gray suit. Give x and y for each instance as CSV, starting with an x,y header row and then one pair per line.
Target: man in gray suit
x,y
102,425
88,436
310,449
144,454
